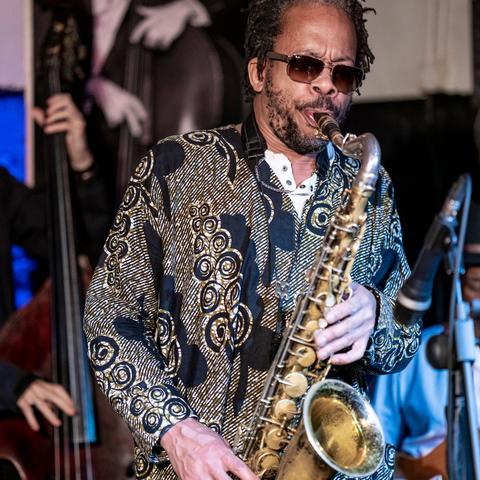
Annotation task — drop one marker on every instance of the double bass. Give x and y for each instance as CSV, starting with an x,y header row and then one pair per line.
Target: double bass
x,y
46,337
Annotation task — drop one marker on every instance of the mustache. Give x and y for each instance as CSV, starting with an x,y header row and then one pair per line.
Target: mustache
x,y
325,103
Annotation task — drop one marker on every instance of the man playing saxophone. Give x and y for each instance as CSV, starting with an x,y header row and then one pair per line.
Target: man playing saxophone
x,y
209,249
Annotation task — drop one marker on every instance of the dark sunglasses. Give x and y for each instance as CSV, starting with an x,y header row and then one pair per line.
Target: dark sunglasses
x,y
305,69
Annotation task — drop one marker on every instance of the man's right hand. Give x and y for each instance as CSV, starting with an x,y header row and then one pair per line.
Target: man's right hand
x,y
196,451
118,105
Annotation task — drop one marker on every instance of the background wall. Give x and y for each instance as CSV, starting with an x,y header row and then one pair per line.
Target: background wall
x,y
12,44
420,47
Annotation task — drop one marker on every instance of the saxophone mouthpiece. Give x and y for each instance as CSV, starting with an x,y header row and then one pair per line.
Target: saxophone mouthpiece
x,y
327,128
321,116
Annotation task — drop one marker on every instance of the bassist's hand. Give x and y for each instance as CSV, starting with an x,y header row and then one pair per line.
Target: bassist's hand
x,y
63,116
44,396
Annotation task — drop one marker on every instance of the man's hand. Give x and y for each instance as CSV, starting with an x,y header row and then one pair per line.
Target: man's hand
x,y
62,116
117,104
196,452
350,325
163,24
44,396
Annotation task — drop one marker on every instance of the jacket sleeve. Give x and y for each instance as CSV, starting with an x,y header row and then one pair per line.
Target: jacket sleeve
x,y
216,7
13,382
93,212
26,215
391,344
122,311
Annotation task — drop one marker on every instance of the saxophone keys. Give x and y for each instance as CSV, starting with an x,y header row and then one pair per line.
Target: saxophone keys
x,y
276,438
266,461
306,356
322,324
309,275
348,292
295,384
330,300
285,409
310,327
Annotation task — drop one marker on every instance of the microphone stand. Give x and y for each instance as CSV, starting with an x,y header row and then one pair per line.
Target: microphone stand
x,y
463,457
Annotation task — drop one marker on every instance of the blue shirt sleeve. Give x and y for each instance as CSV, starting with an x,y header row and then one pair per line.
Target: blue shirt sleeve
x,y
411,403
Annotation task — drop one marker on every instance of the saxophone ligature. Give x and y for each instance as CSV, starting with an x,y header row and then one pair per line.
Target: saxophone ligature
x,y
306,426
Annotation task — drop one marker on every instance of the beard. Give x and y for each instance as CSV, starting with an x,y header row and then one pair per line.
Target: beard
x,y
280,118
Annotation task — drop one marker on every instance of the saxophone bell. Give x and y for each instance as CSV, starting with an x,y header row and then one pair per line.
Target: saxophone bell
x,y
340,432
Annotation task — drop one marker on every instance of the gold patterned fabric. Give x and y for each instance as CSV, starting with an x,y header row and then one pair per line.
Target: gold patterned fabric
x,y
184,313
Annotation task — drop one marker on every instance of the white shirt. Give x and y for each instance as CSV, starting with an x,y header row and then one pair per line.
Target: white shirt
x,y
282,167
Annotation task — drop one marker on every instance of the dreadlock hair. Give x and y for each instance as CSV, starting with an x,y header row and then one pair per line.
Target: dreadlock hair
x,y
264,24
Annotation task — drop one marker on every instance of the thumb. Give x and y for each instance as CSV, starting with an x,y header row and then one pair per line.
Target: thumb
x,y
38,116
134,124
139,31
147,11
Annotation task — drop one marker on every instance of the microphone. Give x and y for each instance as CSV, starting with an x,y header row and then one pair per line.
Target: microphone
x,y
415,297
437,351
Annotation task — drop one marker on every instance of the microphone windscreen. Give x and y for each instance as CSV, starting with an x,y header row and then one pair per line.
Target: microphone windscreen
x,y
437,351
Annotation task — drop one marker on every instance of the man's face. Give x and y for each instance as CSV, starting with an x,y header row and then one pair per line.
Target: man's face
x,y
320,31
471,284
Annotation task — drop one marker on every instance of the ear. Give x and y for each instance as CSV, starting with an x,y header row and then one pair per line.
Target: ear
x,y
256,80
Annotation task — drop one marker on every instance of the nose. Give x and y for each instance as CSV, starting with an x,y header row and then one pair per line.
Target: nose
x,y
323,84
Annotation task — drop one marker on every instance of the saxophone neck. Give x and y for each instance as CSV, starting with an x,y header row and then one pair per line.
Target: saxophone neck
x,y
365,148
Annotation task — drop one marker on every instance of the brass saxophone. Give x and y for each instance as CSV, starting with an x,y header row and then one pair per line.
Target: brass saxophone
x,y
335,428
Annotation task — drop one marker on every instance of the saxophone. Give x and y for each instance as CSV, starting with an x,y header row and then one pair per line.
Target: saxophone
x,y
335,428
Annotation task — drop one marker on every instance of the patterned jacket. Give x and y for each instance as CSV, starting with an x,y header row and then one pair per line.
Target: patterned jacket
x,y
182,315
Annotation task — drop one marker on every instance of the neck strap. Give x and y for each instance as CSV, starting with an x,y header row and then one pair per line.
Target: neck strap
x,y
254,144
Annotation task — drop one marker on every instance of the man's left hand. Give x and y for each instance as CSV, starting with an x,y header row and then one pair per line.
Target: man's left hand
x,y
350,324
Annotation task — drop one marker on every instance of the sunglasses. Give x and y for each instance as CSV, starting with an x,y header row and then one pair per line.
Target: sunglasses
x,y
305,69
